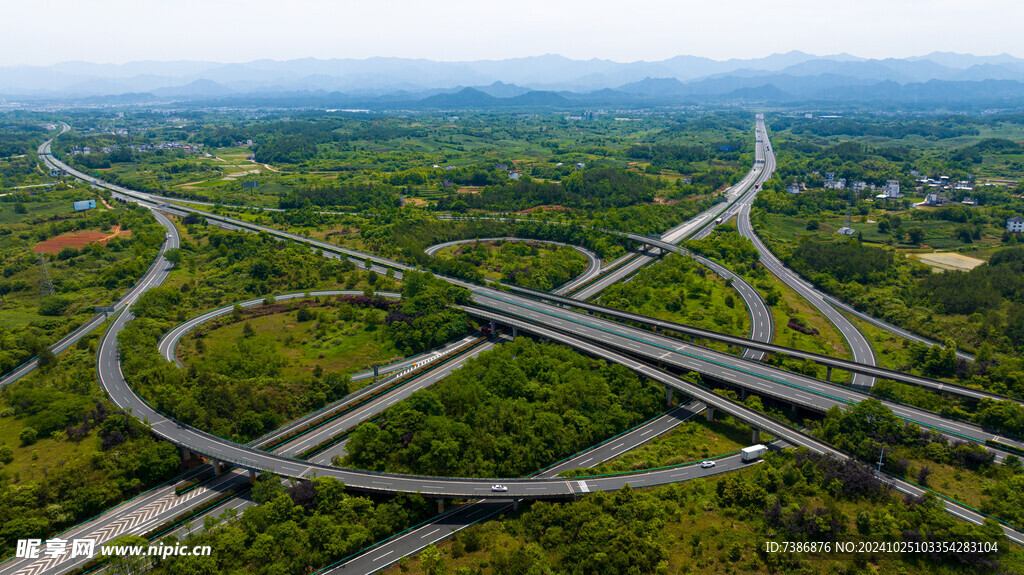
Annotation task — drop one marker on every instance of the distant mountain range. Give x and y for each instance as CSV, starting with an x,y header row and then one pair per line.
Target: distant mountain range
x,y
548,80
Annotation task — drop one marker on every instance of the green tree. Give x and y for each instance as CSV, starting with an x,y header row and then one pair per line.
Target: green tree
x,y
28,436
916,235
267,488
46,358
433,561
173,255
129,564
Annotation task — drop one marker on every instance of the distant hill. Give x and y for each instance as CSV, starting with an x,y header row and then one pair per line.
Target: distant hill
x,y
548,80
465,98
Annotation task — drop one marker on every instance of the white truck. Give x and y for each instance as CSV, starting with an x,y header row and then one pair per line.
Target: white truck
x,y
753,453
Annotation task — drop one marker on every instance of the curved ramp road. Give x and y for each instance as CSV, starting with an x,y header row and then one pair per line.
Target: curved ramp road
x,y
843,364
860,348
789,387
155,275
388,552
113,381
593,262
770,384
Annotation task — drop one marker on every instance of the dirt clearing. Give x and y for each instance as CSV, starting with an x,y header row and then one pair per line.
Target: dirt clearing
x,y
948,261
78,240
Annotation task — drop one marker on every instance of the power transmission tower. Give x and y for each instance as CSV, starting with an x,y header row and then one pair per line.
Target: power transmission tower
x,y
45,283
854,198
847,229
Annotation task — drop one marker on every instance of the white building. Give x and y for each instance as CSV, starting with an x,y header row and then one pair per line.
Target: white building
x,y
839,184
1015,225
793,188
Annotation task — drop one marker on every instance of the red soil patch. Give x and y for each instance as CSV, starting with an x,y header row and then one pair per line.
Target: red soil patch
x,y
78,240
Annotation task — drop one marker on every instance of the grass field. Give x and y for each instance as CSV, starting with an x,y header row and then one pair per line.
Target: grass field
x,y
343,347
829,340
692,440
673,289
938,234
50,454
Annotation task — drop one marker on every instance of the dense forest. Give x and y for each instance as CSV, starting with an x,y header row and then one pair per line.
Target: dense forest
x,y
350,197
299,528
506,413
76,454
943,128
524,263
589,188
845,261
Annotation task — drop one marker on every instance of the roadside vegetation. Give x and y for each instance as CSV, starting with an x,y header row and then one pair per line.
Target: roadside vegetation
x,y
44,230
506,413
680,290
720,525
67,453
529,264
968,296
247,392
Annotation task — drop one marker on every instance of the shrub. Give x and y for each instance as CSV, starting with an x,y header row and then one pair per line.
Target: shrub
x,y
28,436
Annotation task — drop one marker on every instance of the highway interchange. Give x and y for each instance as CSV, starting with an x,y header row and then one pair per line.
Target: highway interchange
x,y
588,334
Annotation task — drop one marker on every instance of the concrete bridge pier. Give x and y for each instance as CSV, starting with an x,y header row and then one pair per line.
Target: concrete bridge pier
x,y
515,332
756,436
185,454
668,396
217,466
515,505
709,413
252,477
828,373
494,326
440,505
743,394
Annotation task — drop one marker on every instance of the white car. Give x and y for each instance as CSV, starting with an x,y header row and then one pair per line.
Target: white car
x,y
500,488
707,464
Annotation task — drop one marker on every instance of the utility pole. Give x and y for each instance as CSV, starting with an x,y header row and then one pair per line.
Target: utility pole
x,y
45,283
879,472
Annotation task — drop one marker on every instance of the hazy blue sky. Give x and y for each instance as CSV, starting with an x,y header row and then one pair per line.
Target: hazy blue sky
x,y
49,31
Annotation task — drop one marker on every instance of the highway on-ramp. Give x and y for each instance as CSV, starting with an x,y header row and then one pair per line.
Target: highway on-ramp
x,y
440,487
